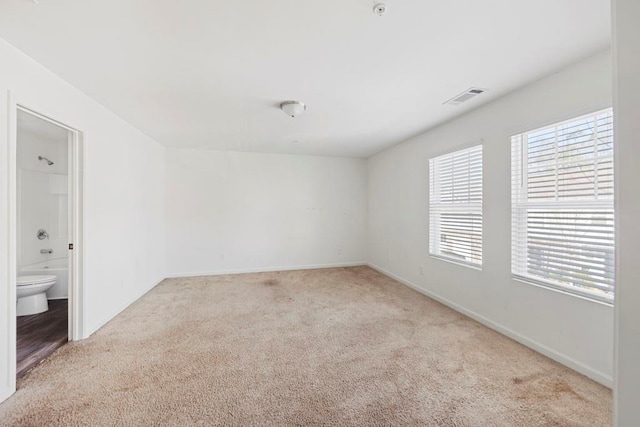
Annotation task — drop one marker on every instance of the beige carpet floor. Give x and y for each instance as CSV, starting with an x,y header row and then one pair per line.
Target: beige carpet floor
x,y
344,346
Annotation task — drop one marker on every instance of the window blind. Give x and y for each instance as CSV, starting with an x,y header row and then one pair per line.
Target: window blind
x,y
562,205
455,205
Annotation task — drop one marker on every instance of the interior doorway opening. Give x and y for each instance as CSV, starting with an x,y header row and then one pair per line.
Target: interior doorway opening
x,y
48,237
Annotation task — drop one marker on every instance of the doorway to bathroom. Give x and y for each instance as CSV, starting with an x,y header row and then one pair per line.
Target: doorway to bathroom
x,y
47,237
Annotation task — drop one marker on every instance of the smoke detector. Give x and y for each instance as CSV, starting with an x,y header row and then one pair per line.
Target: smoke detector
x,y
472,92
293,108
380,8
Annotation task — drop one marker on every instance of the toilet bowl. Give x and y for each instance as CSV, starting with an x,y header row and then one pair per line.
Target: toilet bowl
x,y
32,294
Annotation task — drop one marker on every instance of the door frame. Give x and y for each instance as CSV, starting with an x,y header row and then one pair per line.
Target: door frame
x,y
76,222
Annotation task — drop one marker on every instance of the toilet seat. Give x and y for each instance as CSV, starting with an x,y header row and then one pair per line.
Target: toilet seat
x,y
34,280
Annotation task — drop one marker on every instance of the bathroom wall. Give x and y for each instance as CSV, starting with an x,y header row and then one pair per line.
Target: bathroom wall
x,y
42,203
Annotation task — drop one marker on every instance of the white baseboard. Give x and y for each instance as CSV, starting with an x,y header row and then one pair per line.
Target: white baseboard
x,y
5,393
88,332
265,269
595,375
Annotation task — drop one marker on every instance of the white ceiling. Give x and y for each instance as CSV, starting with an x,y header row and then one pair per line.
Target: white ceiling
x,y
210,74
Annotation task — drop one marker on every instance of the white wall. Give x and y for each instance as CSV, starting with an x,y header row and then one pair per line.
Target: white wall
x,y
123,204
225,212
575,331
235,212
626,38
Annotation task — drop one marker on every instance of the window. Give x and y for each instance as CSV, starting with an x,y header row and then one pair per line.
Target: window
x,y
562,201
455,206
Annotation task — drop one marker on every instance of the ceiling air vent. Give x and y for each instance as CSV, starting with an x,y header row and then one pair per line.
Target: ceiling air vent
x,y
465,96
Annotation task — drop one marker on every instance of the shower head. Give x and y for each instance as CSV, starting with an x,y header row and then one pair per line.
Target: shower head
x,y
49,162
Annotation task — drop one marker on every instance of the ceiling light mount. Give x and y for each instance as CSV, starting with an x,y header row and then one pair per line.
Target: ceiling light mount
x,y
293,108
380,8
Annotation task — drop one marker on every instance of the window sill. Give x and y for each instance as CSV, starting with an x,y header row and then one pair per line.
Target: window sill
x,y
559,289
456,262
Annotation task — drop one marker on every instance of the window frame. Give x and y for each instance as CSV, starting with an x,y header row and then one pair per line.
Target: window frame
x,y
470,207
603,204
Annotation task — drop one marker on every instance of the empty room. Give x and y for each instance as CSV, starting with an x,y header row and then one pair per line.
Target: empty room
x,y
366,213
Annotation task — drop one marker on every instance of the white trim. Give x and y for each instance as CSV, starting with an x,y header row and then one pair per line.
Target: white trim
x,y
76,236
7,305
11,268
6,392
595,375
75,257
615,32
47,119
265,269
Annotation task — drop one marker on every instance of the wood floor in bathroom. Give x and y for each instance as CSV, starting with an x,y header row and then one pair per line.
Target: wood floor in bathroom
x,y
40,335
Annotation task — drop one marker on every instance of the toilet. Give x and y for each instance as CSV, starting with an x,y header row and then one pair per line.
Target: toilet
x,y
32,294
